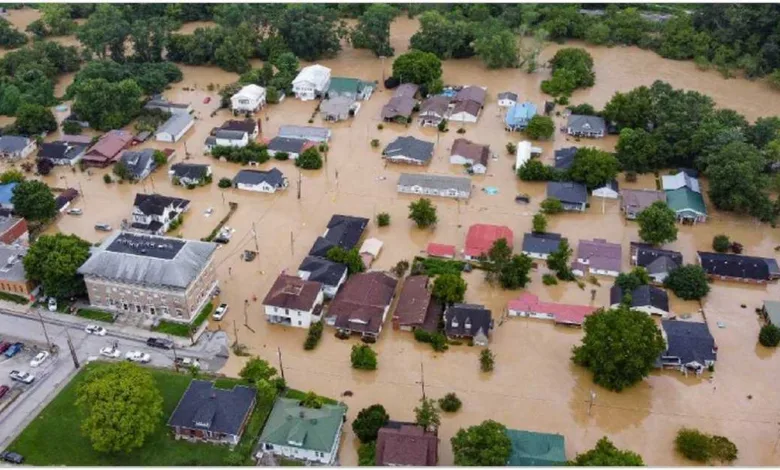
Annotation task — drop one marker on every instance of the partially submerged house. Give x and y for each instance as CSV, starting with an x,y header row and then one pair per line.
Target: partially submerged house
x,y
250,126
687,204
361,306
519,115
153,213
402,104
480,239
339,108
771,312
263,181
415,307
408,150
344,231
406,445
248,99
646,299
159,102
139,163
468,321
63,200
524,153
311,82
174,128
539,245
310,133
564,158
293,301
108,148
457,187
187,174
573,196
473,155
634,201
579,125
369,251
597,256
689,346
434,110
352,88
62,153
468,104
657,262
13,230
439,250
329,274
730,267
610,190
680,180
506,99
535,449
528,305
293,147
226,138
16,147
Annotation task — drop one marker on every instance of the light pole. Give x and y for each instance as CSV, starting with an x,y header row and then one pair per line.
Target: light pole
x,y
382,58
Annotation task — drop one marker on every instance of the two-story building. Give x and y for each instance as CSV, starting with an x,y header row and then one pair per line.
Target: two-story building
x,y
292,301
153,213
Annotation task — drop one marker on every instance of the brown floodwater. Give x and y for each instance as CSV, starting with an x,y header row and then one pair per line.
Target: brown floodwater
x,y
534,385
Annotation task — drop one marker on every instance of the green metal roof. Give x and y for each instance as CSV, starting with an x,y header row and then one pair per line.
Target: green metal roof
x,y
343,85
683,199
306,428
535,449
772,308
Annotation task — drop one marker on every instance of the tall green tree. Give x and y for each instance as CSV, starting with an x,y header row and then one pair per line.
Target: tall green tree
x,y
369,421
482,445
373,29
558,260
540,127
58,18
422,68
105,32
605,454
423,213
497,47
445,37
34,119
593,167
637,150
52,262
449,288
427,416
34,201
309,30
737,181
351,258
657,224
10,37
688,282
107,105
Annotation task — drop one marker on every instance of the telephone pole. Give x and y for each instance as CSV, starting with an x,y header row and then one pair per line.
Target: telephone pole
x,y
292,248
299,184
81,190
235,333
281,366
422,379
72,350
46,333
591,400
254,232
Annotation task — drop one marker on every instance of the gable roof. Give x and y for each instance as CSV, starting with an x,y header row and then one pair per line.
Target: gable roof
x,y
684,199
469,107
176,124
342,230
399,106
410,147
75,139
439,249
313,428
507,95
535,449
155,204
413,301
293,292
204,406
361,303
322,270
138,161
640,199
346,86
13,143
405,444
60,150
111,143
738,266
600,253
479,318
520,112
288,144
305,132
273,177
544,243
567,191
438,182
242,125
642,296
338,104
565,157
613,185
471,93
316,74
480,238
582,123
648,256
680,180
477,152
250,91
562,313
189,170
690,341
229,134
406,89
437,105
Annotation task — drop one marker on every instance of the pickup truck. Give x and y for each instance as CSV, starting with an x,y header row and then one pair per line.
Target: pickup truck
x,y
24,377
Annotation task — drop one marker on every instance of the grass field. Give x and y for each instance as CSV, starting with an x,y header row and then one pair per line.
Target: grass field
x,y
184,329
54,437
98,315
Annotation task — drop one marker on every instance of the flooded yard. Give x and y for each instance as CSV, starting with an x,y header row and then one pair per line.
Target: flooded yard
x,y
534,385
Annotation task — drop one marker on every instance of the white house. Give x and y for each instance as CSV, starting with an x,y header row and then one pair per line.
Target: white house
x,y
174,128
311,82
248,99
223,138
523,154
611,190
465,152
153,213
293,301
15,147
507,99
260,181
331,275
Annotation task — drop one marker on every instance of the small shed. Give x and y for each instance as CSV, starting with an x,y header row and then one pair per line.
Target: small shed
x,y
369,250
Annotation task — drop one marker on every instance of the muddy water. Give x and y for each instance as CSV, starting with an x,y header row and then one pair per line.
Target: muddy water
x,y
534,385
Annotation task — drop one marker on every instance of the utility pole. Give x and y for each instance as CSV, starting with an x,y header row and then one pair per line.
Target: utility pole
x,y
591,400
81,190
292,247
235,333
422,379
246,315
72,350
382,58
46,333
281,366
299,184
254,232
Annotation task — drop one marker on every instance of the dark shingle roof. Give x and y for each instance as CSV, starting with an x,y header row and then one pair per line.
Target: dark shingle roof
x,y
155,204
189,170
287,144
60,150
642,296
343,230
647,256
582,123
138,161
541,242
274,177
478,316
322,270
745,267
565,157
567,192
690,341
360,304
204,407
410,147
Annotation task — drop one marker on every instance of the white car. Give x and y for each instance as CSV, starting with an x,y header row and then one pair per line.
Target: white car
x,y
75,211
24,377
39,359
138,356
110,351
52,304
95,330
187,362
220,312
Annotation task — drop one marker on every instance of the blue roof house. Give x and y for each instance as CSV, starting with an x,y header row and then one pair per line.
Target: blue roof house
x,y
6,192
519,115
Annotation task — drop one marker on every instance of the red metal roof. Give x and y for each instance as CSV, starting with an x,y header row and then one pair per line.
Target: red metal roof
x,y
481,237
563,313
443,251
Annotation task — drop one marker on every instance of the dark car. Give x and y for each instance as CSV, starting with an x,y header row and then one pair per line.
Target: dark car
x,y
3,390
12,457
14,349
4,346
159,343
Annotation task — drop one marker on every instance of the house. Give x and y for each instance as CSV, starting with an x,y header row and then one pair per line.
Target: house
x,y
535,449
174,128
680,180
402,104
13,277
343,231
519,115
408,150
687,204
352,88
406,90
657,262
293,147
141,137
466,152
13,231
506,99
609,191
522,154
311,82
249,99
73,117
139,163
646,299
468,321
689,346
61,153
741,268
771,312
168,106
415,307
339,108
597,256
528,305
262,181
369,251
151,277
310,435
329,274
468,103
226,138
456,187
108,148
634,201
361,306
6,193
250,126
406,445
63,200
585,126
438,250
187,174
212,414
539,245
293,301
573,196
75,139
480,239
153,213
311,133
434,110
564,158
16,147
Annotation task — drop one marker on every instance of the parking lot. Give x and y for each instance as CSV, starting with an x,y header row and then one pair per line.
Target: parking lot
x,y
21,362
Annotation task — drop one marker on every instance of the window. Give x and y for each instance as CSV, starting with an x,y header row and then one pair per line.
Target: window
x,y
179,312
164,310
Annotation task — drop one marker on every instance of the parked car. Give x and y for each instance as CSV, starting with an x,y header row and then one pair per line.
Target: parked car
x,y
161,343
52,304
138,356
187,362
24,377
95,330
220,312
4,346
75,211
3,390
14,349
110,351
103,227
207,100
39,359
12,457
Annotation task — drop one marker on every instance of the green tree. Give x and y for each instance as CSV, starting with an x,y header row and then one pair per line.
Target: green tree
x,y
634,109
483,445
105,32
444,36
34,119
631,280
10,37
34,201
122,171
593,167
312,400
572,68
427,416
450,403
769,336
597,33
558,260
225,183
422,68
737,181
11,176
657,224
367,454
721,243
497,47
694,445
373,29
351,258
539,223
637,150
487,360
107,105
72,128
257,370
540,127
310,159
363,357
449,288
423,213
52,262
309,31
605,454
535,170
688,282
58,18
515,274
383,219
121,405
551,206
583,109
620,347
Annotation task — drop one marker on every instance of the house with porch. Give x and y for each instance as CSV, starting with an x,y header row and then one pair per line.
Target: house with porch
x,y
689,346
687,204
108,148
353,88
339,108
573,196
292,301
434,110
473,155
261,181
579,125
634,201
528,305
361,306
415,307
139,163
467,104
402,104
519,115
468,321
311,82
293,147
597,256
646,299
480,239
539,245
226,138
408,150
153,213
188,174
248,99
329,274
16,147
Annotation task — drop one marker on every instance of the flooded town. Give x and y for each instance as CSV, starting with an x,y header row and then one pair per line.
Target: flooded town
x,y
534,385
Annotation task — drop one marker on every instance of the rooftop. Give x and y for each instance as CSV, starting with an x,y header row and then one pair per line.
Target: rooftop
x,y
290,424
473,151
737,266
413,301
582,123
544,243
409,147
567,192
439,182
480,238
536,449
467,320
342,230
406,444
322,270
690,341
12,268
361,302
600,253
293,293
562,313
206,407
642,296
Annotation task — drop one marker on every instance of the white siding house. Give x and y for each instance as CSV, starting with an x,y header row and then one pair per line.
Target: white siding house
x,y
292,301
174,128
248,99
523,154
311,82
260,181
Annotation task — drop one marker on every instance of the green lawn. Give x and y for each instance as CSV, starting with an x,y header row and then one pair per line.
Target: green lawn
x,y
98,315
54,437
184,329
299,394
437,266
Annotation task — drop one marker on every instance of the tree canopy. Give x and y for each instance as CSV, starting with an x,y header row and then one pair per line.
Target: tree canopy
x,y
423,213
373,29
688,282
540,127
572,68
369,421
482,445
427,416
593,167
449,288
422,68
363,357
351,258
605,454
107,105
53,260
34,201
657,224
34,119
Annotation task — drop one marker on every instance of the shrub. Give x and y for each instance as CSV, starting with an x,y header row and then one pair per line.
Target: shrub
x,y
400,268
700,447
367,454
769,336
721,243
71,127
462,130
313,336
450,403
369,421
253,152
107,178
549,280
225,183
310,159
374,143
551,206
383,219
282,156
487,360
380,126
511,148
438,341
363,357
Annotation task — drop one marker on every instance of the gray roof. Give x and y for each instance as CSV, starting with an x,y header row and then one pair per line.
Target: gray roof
x,y
613,185
149,260
12,268
206,407
322,270
656,260
440,182
567,191
406,89
544,243
176,123
437,105
479,318
337,105
343,230
507,95
565,157
690,341
189,170
13,143
155,204
60,150
230,135
274,177
581,123
287,144
642,296
318,134
138,161
410,147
